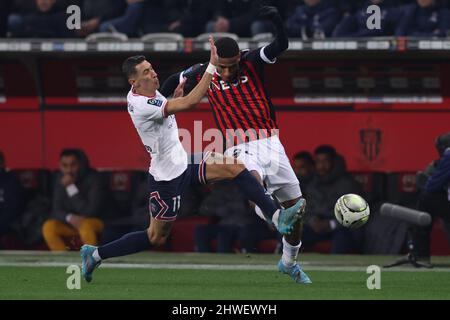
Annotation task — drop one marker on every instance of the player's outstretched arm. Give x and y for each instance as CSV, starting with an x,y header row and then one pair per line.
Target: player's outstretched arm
x,y
194,97
281,41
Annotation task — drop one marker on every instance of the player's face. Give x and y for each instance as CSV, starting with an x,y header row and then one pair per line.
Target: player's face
x,y
69,165
324,164
228,68
146,77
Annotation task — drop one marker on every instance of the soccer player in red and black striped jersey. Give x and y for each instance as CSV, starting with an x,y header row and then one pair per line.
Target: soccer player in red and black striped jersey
x,y
245,115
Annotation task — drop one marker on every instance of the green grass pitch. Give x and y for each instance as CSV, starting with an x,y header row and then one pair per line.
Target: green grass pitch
x,y
189,276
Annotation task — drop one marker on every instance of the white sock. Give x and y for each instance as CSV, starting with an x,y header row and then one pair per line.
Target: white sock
x,y
290,253
96,256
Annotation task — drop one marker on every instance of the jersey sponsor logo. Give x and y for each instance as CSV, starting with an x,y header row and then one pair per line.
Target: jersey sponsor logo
x,y
130,108
155,102
227,85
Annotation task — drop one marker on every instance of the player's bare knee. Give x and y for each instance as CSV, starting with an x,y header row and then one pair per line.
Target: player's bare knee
x,y
158,240
290,203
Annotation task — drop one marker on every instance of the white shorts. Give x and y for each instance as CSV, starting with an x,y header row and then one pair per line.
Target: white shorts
x,y
269,159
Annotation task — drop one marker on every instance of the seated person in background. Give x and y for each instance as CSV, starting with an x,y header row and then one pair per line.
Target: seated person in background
x,y
434,197
304,168
330,182
235,222
47,20
93,13
11,199
188,17
425,18
78,202
235,16
316,19
355,25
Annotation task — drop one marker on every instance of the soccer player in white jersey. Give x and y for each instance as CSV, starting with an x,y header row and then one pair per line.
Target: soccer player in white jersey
x,y
170,174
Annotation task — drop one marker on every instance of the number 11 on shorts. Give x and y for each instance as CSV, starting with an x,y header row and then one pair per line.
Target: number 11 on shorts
x,y
176,203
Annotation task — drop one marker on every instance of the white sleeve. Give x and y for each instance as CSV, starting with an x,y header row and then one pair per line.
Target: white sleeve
x,y
151,108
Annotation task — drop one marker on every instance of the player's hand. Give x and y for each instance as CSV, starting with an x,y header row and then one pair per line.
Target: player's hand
x,y
179,90
214,58
269,12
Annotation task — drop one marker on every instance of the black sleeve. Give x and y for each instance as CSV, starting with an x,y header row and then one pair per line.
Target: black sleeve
x,y
281,41
192,75
170,84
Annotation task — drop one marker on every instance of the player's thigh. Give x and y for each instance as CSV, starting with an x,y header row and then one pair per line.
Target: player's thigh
x,y
248,155
284,184
220,167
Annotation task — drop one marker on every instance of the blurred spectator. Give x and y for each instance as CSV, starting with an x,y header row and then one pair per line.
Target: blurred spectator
x,y
263,25
434,196
5,10
330,182
304,168
235,16
78,202
93,13
316,19
235,222
188,17
423,19
45,21
355,25
11,198
129,21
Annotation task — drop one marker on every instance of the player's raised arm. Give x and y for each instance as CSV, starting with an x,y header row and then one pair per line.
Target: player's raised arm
x,y
194,97
281,41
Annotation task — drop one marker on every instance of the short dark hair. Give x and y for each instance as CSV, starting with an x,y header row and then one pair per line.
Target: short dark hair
x,y
227,47
129,65
71,152
304,155
326,149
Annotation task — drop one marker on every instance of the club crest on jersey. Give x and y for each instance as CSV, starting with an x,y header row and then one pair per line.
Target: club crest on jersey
x,y
155,102
130,107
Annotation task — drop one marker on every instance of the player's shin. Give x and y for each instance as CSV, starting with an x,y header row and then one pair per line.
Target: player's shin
x,y
130,243
256,193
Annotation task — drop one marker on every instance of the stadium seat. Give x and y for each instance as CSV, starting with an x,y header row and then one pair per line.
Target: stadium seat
x,y
266,36
34,181
373,184
162,36
216,35
106,36
402,188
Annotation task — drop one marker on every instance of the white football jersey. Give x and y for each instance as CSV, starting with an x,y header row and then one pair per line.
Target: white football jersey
x,y
159,134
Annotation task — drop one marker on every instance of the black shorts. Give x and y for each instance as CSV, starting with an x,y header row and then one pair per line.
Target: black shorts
x,y
166,196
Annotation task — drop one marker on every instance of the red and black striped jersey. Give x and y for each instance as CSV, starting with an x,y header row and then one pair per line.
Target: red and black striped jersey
x,y
242,109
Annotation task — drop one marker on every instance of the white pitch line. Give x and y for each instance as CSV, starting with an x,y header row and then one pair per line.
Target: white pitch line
x,y
208,266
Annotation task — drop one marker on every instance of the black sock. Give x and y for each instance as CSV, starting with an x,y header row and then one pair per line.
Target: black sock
x,y
255,192
130,243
